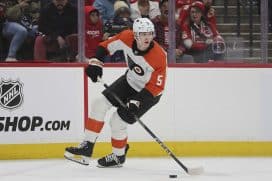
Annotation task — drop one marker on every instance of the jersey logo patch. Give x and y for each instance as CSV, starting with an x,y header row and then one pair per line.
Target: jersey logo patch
x,y
135,67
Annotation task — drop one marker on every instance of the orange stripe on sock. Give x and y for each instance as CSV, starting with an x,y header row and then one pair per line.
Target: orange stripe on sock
x,y
94,125
118,143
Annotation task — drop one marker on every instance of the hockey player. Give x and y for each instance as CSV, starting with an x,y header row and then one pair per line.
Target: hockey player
x,y
139,88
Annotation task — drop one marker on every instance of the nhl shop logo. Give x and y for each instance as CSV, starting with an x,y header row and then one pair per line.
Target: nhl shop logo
x,y
11,95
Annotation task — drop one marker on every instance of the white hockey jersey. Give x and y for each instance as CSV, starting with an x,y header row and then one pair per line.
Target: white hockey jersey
x,y
144,71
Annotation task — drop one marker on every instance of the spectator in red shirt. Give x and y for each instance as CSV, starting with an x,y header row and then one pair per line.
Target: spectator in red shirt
x,y
200,38
184,11
162,33
89,2
180,3
209,12
93,33
93,30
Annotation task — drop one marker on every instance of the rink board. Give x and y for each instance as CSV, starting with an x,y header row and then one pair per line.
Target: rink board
x,y
43,104
143,149
206,110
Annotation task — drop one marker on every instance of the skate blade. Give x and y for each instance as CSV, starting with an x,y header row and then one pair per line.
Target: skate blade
x,y
115,166
81,160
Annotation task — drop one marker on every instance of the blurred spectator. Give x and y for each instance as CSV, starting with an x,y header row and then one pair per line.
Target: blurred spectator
x,y
2,21
182,10
202,40
57,21
121,20
105,8
45,3
89,2
270,15
132,1
93,31
122,14
146,9
180,3
73,2
183,7
22,17
162,33
2,14
209,12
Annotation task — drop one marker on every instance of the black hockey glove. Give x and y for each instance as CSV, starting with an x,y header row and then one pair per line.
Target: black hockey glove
x,y
94,69
128,113
135,106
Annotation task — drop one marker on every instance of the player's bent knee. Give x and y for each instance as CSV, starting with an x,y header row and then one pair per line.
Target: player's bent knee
x,y
99,107
116,123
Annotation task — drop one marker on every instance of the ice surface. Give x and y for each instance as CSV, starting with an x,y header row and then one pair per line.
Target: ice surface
x,y
140,169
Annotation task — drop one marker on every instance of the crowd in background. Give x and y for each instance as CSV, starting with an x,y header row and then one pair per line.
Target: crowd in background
x,y
46,30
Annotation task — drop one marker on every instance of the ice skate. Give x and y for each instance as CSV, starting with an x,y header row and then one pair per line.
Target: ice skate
x,y
80,154
112,160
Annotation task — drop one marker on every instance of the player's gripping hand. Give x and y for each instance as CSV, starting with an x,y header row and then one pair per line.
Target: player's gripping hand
x,y
94,69
128,113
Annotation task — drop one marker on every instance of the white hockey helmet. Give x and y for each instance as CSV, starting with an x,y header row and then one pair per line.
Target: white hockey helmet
x,y
142,25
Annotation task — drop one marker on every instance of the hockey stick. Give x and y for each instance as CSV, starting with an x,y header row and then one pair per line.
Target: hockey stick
x,y
190,171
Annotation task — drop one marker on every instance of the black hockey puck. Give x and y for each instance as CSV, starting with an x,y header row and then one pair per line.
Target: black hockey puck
x,y
173,176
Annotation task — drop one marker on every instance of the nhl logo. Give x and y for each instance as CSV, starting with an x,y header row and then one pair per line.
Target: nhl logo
x,y
11,95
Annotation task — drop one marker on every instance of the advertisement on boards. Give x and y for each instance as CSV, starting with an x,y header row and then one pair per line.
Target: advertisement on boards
x,y
41,104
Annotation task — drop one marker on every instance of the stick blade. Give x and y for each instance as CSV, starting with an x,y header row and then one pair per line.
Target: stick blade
x,y
195,171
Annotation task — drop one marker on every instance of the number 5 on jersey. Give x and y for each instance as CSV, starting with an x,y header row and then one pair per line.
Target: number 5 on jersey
x,y
159,80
